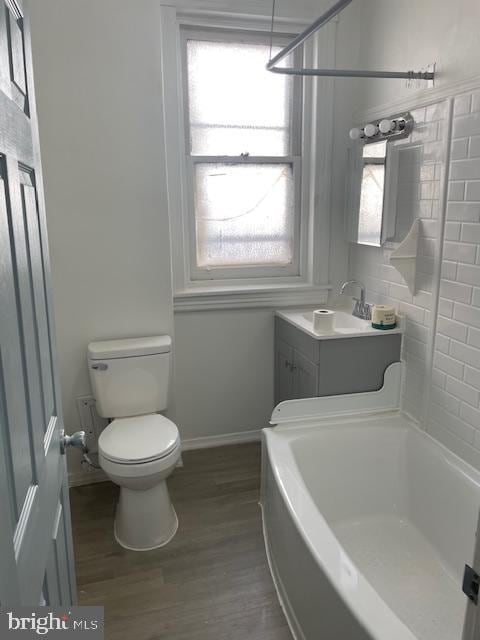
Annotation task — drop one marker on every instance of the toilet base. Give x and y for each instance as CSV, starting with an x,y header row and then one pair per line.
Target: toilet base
x,y
145,520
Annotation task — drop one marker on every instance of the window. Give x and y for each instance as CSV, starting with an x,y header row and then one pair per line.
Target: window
x,y
248,157
243,142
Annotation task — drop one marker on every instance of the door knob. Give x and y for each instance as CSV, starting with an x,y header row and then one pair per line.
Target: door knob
x,y
77,440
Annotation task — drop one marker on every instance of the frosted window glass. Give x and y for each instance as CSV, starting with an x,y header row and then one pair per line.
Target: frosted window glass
x,y
244,214
371,204
235,105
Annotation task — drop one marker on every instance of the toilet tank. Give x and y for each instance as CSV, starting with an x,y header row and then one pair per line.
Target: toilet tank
x,y
130,377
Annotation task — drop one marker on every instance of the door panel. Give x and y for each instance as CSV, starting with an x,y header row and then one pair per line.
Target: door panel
x,y
283,372
9,589
57,587
35,316
4,52
16,427
16,53
305,377
35,534
38,283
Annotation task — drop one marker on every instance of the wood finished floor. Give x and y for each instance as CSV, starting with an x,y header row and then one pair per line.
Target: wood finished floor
x,y
210,583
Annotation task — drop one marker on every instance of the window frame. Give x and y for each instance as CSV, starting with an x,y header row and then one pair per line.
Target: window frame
x,y
318,218
255,273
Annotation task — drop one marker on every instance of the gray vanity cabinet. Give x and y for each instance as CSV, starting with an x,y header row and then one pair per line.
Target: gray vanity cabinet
x,y
306,367
283,371
295,375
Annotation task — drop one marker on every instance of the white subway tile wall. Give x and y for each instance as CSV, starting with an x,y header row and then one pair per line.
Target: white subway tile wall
x,y
458,336
384,284
452,413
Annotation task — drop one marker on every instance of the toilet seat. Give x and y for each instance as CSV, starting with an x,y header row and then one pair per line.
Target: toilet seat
x,y
138,439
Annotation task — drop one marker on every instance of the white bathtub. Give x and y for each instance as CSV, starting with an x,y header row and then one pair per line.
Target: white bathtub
x,y
368,525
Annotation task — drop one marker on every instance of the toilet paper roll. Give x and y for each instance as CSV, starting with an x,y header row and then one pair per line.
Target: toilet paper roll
x,y
323,321
384,317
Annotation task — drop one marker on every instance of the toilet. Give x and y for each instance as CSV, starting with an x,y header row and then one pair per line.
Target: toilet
x,y
139,448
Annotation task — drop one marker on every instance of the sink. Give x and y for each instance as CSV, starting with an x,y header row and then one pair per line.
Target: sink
x,y
345,325
344,322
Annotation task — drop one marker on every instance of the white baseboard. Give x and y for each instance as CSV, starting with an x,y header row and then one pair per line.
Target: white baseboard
x,y
208,442
80,478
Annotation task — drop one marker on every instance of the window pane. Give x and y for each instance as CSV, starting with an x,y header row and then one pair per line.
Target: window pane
x,y
371,204
244,214
235,105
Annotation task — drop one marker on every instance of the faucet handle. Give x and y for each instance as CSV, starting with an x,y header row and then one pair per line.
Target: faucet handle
x,y
367,310
362,309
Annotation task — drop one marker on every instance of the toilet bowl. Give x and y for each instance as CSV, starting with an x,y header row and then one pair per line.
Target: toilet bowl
x,y
139,454
140,447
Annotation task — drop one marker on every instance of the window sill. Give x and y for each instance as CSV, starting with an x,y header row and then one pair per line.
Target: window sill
x,y
252,297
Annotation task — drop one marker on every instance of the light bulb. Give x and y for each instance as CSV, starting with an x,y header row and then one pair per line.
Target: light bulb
x,y
371,130
386,126
355,133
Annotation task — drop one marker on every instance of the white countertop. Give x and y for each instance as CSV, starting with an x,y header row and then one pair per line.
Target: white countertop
x,y
345,325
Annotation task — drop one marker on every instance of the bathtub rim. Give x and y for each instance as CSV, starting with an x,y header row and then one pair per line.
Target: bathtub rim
x,y
364,599
348,419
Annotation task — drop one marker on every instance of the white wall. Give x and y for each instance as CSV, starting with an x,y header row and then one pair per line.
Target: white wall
x,y
420,175
224,365
348,41
442,338
98,70
393,35
97,74
224,371
405,35
454,416
443,391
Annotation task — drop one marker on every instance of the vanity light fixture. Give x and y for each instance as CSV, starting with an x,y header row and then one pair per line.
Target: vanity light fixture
x,y
386,126
370,130
399,126
344,73
356,133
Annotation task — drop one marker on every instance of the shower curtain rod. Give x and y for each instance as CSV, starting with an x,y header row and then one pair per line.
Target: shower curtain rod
x,y
345,73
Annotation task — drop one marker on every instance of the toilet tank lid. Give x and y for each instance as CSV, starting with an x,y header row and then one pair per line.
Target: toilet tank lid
x,y
130,347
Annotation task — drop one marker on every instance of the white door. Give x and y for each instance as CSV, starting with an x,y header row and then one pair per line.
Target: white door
x,y
36,560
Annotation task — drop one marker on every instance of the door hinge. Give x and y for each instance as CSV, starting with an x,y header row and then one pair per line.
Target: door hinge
x,y
471,584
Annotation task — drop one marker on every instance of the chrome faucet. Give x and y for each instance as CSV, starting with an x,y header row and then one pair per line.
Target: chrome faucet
x,y
361,309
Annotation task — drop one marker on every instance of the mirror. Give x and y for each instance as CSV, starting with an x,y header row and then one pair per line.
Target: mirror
x,y
370,181
384,194
405,195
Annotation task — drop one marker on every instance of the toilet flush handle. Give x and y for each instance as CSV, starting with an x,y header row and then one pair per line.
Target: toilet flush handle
x,y
100,366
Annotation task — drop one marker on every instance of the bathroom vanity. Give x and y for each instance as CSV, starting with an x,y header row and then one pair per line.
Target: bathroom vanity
x,y
351,359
